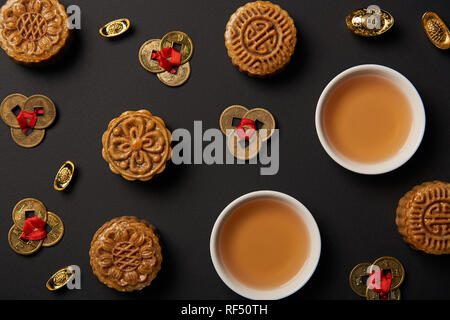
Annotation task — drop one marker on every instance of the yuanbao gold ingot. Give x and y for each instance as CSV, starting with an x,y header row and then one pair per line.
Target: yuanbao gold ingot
x,y
64,176
369,22
436,30
115,28
60,278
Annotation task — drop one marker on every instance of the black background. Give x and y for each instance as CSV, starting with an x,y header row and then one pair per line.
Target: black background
x,y
100,78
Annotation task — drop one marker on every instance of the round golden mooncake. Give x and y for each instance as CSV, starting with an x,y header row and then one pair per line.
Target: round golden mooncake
x,y
423,217
125,254
33,31
137,145
260,38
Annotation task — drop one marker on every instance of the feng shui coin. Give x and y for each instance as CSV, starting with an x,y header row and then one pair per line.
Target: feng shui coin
x,y
24,247
56,232
115,28
178,78
39,100
393,294
265,117
28,206
60,278
6,109
181,38
394,266
358,280
145,55
241,149
28,141
228,115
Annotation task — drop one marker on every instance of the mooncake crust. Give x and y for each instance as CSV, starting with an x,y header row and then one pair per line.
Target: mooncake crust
x,y
33,31
423,217
125,253
260,38
137,145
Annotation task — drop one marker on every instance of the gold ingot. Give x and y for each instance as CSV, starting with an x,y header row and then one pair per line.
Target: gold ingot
x,y
369,22
115,28
60,278
64,176
436,30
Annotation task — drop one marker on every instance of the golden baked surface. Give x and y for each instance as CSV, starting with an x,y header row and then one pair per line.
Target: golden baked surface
x,y
125,254
137,145
260,38
32,31
423,217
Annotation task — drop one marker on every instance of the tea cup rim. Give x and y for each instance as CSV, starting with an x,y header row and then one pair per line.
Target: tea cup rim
x,y
416,133
304,273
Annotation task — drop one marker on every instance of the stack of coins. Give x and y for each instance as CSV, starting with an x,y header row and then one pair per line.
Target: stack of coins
x,y
13,104
171,39
362,275
262,130
19,214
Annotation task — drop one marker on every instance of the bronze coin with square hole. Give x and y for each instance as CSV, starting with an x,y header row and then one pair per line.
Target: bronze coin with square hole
x,y
229,115
30,140
10,108
39,100
56,232
145,56
23,247
266,118
26,208
178,37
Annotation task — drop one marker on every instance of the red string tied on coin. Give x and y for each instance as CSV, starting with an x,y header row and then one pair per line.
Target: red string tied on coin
x,y
163,58
33,229
246,134
380,283
27,119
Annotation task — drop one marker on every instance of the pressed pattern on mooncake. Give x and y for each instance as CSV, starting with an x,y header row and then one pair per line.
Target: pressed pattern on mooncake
x,y
260,38
33,31
423,217
125,254
137,145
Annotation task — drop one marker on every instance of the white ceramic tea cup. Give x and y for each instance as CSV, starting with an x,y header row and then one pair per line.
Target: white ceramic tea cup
x,y
302,275
417,126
